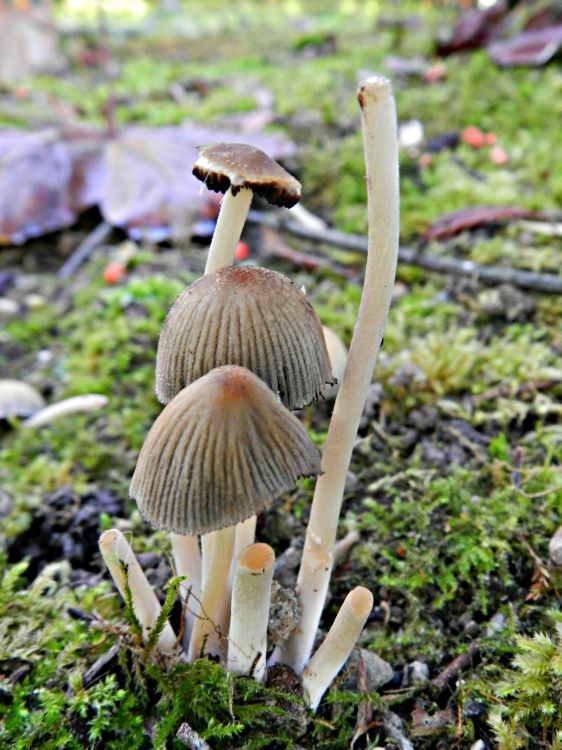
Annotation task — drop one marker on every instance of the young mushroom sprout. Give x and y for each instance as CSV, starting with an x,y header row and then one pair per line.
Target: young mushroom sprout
x,y
239,171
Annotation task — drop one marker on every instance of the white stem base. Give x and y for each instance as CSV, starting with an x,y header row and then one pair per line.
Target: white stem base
x,y
187,561
115,549
205,637
337,646
251,595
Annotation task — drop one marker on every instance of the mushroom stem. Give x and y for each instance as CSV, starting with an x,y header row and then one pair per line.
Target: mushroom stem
x,y
244,536
74,405
187,559
336,647
232,216
215,583
251,594
381,156
115,550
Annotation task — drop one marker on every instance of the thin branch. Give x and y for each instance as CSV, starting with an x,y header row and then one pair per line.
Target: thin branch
x,y
92,241
540,282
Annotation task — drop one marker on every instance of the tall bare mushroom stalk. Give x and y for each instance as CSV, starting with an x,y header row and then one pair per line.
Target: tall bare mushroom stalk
x,y
381,156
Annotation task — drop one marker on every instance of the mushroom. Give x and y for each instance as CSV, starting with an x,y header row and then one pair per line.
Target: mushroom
x,y
337,351
239,170
251,595
330,657
381,156
18,399
74,405
251,317
221,451
116,552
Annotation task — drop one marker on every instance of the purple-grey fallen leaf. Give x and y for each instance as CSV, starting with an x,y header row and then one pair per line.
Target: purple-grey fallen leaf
x,y
534,48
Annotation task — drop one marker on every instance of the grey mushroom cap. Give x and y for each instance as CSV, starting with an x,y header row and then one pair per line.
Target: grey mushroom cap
x,y
250,317
18,399
221,451
236,165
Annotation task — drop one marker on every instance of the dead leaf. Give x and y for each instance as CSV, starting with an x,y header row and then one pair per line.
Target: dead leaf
x,y
426,725
140,179
469,218
534,48
474,30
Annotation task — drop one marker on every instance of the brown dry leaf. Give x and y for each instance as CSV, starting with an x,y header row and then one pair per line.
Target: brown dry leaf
x,y
140,179
469,218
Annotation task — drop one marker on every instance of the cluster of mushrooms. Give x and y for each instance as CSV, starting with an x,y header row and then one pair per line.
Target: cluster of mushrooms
x,y
240,348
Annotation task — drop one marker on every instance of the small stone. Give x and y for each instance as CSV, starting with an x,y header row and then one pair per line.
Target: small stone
x,y
8,307
377,671
418,673
555,547
44,356
472,628
34,301
496,625
478,745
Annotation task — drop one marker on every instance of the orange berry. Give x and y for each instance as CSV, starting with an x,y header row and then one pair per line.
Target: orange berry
x,y
242,251
114,272
473,137
499,156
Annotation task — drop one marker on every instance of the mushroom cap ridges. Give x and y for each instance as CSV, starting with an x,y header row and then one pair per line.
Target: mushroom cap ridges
x,y
236,165
250,317
222,450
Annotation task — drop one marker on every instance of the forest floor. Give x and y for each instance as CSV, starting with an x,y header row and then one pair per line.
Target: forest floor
x,y
455,487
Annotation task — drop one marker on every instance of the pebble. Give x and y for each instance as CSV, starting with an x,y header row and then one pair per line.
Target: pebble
x,y
478,745
418,673
34,301
8,307
496,625
555,547
377,671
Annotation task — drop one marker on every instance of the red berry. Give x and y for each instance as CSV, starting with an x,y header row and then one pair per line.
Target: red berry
x,y
242,251
473,137
114,272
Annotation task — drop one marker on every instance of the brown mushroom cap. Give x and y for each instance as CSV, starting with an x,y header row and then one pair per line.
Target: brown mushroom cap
x,y
244,316
222,450
236,165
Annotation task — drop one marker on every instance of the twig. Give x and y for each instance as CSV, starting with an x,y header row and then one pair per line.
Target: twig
x,y
275,246
452,669
540,282
85,249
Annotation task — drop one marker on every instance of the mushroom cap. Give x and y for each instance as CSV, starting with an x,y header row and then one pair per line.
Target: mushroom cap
x,y
244,316
236,165
18,399
221,451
